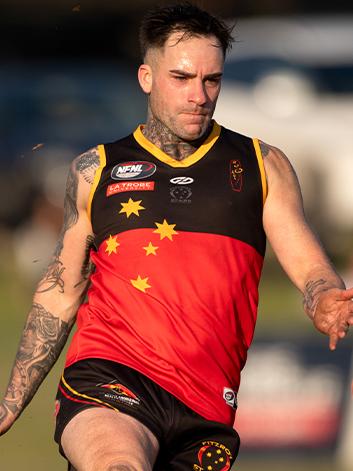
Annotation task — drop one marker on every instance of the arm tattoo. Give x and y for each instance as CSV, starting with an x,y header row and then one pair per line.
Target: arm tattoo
x,y
265,149
87,266
87,164
43,338
311,291
70,202
53,276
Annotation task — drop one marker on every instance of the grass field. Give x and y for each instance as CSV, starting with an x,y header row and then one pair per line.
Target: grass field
x,y
29,444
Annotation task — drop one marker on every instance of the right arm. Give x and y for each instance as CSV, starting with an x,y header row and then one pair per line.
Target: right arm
x,y
326,301
58,295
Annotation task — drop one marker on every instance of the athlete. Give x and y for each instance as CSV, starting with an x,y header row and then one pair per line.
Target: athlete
x,y
166,229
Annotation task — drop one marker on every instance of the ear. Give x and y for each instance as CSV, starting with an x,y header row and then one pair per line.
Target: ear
x,y
145,77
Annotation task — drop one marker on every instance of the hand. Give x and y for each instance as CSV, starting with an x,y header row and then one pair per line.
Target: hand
x,y
334,314
7,418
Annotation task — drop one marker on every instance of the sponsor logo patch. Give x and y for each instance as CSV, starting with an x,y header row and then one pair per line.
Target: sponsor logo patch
x,y
181,180
230,397
213,456
134,170
236,175
121,187
180,194
120,393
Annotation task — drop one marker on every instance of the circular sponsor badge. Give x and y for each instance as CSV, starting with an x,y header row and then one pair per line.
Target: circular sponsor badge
x,y
134,170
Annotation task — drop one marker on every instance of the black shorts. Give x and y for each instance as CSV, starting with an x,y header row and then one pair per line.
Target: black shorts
x,y
187,440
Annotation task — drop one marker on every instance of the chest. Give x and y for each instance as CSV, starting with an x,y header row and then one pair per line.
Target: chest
x,y
221,193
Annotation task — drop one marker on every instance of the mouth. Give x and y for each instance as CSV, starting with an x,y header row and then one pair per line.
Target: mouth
x,y
195,117
196,113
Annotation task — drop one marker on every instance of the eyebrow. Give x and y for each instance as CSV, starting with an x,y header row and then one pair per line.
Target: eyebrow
x,y
191,75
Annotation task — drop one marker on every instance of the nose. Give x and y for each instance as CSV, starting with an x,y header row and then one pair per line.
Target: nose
x,y
198,93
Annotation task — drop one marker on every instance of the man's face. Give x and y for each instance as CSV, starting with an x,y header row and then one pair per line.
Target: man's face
x,y
185,83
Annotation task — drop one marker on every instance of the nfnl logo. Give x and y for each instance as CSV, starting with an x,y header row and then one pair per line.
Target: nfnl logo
x,y
133,170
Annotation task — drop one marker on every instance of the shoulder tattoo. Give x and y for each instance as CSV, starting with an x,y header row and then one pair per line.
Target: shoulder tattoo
x,y
87,164
265,149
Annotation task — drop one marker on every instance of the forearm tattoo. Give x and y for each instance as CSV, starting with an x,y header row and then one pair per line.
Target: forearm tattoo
x,y
43,338
311,298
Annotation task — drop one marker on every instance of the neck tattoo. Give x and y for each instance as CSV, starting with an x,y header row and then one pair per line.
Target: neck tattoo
x,y
162,137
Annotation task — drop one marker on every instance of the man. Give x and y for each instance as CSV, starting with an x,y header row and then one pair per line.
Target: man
x,y
177,214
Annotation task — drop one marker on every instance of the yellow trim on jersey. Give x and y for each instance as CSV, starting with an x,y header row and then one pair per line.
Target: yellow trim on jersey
x,y
97,176
260,161
85,396
190,160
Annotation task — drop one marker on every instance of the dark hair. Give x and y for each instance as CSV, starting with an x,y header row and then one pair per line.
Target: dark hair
x,y
160,22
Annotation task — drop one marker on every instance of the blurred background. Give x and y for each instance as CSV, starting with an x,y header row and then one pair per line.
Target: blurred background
x,y
68,82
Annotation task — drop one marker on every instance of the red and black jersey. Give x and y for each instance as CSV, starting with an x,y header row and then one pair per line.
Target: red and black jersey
x,y
179,253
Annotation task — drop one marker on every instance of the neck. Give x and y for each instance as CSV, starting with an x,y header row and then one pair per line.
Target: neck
x,y
162,137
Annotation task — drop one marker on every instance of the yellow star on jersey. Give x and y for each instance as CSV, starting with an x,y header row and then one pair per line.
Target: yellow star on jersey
x,y
141,283
112,245
131,207
165,230
150,249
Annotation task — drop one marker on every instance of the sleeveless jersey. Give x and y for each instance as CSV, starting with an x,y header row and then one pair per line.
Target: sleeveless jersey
x,y
179,253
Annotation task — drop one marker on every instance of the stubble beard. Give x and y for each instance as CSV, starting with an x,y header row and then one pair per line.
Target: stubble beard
x,y
172,137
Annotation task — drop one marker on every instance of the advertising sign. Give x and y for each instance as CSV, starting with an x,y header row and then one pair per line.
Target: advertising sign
x,y
293,395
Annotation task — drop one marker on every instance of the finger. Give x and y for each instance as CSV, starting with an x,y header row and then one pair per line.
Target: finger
x,y
333,341
343,328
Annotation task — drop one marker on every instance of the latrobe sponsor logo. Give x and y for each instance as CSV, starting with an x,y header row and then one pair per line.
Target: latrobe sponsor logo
x,y
121,187
134,170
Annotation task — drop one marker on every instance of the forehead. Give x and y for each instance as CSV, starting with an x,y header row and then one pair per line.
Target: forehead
x,y
185,50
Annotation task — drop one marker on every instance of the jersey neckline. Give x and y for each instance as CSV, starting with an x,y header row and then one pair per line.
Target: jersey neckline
x,y
188,161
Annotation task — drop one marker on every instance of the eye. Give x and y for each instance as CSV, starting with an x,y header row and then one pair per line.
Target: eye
x,y
213,81
180,77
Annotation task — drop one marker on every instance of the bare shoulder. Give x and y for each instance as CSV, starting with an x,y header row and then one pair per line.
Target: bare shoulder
x,y
87,163
276,163
273,155
80,179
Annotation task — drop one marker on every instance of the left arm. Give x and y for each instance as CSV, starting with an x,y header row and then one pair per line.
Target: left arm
x,y
325,299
